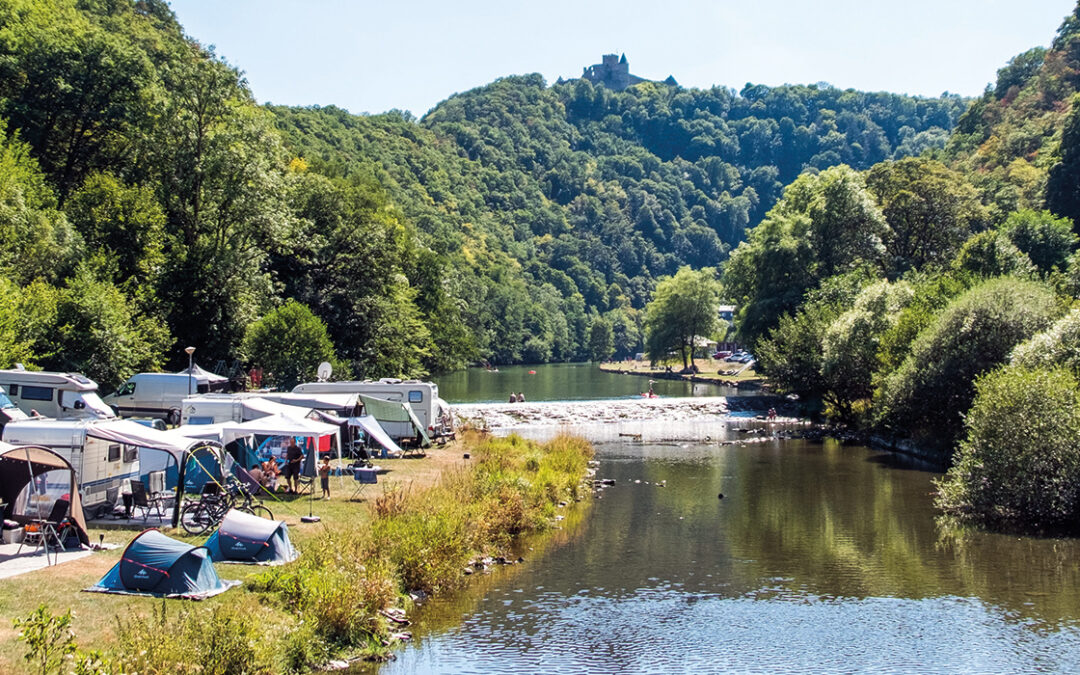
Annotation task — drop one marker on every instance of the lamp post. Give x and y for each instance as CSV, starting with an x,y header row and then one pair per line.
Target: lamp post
x,y
190,351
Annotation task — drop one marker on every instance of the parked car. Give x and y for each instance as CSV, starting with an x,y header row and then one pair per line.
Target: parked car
x,y
721,355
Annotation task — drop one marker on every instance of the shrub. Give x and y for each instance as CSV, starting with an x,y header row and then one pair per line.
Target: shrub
x,y
1019,466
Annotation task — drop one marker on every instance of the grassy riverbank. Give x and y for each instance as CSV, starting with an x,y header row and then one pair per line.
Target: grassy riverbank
x,y
428,520
720,372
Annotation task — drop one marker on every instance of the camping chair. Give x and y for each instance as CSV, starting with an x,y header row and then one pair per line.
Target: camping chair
x,y
141,500
363,477
45,532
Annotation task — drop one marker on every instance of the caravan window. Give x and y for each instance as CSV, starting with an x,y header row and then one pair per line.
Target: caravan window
x,y
37,393
131,453
13,389
416,396
114,452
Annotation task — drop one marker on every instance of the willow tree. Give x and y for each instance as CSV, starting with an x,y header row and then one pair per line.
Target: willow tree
x,y
683,307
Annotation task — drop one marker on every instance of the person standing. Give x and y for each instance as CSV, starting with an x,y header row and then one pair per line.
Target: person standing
x,y
294,458
324,477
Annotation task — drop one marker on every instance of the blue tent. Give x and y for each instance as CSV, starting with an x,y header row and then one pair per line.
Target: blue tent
x,y
251,540
153,564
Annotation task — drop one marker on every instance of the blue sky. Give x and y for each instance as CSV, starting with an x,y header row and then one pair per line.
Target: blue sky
x,y
410,54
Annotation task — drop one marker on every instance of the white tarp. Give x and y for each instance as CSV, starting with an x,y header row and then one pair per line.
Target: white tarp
x,y
371,426
336,403
202,375
249,407
133,433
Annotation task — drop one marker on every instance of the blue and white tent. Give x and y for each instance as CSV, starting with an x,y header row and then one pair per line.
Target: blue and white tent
x,y
250,540
153,564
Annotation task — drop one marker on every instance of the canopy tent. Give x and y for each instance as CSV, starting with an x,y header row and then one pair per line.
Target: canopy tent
x,y
153,564
395,412
371,427
250,540
179,446
215,381
19,466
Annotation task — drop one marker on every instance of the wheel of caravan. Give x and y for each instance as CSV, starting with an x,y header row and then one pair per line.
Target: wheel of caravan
x,y
173,418
195,518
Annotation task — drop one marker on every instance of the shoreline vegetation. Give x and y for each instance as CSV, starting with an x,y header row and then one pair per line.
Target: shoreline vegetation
x,y
709,371
346,598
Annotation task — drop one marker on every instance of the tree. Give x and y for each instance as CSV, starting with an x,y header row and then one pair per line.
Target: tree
x,y
991,254
289,343
1057,346
601,341
926,396
1018,467
683,307
1047,241
1063,184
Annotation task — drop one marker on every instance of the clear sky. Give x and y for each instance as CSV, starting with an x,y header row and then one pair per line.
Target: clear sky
x,y
375,55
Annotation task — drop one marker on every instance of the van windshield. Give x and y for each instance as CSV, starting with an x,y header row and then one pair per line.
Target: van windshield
x,y
94,402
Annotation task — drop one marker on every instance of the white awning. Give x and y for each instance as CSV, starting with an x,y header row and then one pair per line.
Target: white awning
x,y
371,426
204,375
133,433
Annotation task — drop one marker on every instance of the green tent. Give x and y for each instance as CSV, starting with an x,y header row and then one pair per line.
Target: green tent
x,y
393,414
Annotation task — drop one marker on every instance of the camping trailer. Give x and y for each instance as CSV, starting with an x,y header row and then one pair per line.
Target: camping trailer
x,y
158,395
58,395
99,464
218,408
432,412
9,412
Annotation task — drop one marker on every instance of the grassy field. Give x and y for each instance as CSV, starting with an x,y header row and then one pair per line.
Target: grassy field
x,y
710,370
415,530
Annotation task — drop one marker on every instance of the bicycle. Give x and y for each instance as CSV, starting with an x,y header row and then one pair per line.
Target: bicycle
x,y
207,512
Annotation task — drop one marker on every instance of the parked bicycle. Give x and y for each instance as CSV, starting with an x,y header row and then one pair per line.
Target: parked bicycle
x,y
206,513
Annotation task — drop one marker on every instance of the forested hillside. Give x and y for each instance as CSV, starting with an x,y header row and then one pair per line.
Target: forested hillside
x,y
148,203
933,300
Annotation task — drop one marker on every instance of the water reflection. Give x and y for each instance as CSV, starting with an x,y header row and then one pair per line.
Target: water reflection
x,y
818,557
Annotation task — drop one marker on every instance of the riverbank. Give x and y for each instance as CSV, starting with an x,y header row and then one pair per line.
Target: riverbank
x,y
710,371
360,568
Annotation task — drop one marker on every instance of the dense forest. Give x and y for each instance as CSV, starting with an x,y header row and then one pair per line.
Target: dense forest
x,y
931,301
149,203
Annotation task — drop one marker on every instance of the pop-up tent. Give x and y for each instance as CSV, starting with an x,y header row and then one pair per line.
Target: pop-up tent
x,y
19,466
153,564
250,540
396,417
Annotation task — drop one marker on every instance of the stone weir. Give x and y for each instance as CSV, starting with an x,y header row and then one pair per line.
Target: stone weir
x,y
494,416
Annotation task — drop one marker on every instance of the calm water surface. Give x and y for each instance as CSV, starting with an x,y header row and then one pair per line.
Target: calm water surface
x,y
820,557
559,382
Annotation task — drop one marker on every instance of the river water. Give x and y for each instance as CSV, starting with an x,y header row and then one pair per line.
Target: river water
x,y
820,557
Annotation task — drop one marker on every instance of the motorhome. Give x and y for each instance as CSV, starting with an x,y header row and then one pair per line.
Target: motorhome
x,y
159,395
59,395
432,412
101,465
342,405
9,412
218,408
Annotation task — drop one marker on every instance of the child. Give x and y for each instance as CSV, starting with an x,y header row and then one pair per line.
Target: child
x,y
324,477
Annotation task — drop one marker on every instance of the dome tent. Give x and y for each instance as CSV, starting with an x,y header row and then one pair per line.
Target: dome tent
x,y
153,564
248,539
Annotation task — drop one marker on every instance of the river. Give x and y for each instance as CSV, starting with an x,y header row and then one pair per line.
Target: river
x,y
819,557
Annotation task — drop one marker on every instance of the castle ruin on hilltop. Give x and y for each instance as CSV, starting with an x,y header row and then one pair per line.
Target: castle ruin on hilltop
x,y
614,73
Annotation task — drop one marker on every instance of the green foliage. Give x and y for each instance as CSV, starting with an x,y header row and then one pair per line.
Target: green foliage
x,y
684,307
1047,241
601,341
1063,185
1057,346
49,640
991,254
925,397
1019,465
289,343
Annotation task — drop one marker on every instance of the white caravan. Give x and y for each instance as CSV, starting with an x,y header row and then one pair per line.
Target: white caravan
x,y
218,408
100,465
432,412
158,395
59,395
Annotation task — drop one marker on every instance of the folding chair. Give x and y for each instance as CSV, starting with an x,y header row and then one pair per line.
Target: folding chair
x,y
45,532
363,477
141,500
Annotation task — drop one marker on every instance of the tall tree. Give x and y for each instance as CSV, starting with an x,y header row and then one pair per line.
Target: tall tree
x,y
684,307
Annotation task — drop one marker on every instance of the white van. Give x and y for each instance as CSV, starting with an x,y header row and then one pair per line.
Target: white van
x,y
100,465
9,412
423,397
59,395
158,395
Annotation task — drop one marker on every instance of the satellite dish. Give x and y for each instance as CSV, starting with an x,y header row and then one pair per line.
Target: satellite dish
x,y
325,371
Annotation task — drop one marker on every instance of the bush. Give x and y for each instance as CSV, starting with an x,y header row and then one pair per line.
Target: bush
x,y
1019,467
934,386
1058,345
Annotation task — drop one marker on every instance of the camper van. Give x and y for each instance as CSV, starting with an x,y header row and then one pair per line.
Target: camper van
x,y
423,397
101,466
9,412
58,395
158,395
